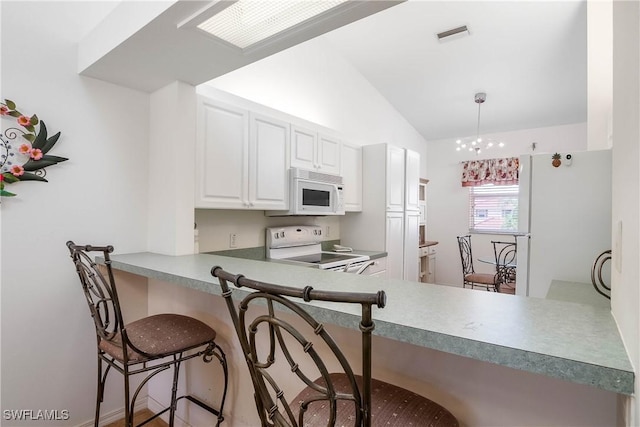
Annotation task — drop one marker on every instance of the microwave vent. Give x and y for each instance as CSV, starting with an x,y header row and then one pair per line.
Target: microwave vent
x,y
316,176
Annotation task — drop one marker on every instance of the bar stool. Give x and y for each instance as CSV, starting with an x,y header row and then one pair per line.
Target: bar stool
x,y
279,351
147,346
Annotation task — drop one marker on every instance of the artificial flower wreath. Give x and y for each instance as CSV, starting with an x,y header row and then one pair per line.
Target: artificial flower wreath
x,y
24,159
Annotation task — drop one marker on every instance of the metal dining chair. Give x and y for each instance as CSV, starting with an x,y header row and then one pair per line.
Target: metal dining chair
x,y
469,275
505,258
147,346
279,349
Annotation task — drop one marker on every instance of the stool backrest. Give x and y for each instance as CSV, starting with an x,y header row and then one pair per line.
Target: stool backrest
x,y
264,315
466,257
99,291
506,256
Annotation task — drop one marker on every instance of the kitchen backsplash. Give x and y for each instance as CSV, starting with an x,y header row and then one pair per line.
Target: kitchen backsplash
x,y
216,227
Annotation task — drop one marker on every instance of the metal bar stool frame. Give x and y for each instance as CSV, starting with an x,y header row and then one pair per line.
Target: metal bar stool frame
x,y
102,297
259,312
469,275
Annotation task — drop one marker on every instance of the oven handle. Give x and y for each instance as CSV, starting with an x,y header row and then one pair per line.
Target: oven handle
x,y
360,269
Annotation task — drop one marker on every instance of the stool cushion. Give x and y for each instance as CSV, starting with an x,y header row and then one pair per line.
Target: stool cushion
x,y
160,335
390,406
484,278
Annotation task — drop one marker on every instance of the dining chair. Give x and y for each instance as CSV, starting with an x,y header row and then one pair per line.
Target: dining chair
x,y
284,344
147,346
469,275
596,274
505,258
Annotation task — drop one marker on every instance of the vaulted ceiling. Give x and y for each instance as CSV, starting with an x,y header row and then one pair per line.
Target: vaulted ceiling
x,y
529,57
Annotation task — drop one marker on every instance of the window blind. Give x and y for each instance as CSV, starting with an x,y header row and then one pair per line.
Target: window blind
x,y
493,208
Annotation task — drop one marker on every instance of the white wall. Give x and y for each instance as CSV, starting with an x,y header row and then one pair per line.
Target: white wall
x,y
570,218
625,293
98,196
447,200
313,82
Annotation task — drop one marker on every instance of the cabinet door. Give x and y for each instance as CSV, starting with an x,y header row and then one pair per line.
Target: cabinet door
x,y
351,172
411,251
303,148
395,179
395,245
412,180
328,154
268,149
221,163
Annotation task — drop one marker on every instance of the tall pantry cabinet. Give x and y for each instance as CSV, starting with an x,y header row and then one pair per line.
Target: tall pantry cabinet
x,y
390,211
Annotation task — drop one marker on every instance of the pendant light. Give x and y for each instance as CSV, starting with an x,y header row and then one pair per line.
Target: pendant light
x,y
477,144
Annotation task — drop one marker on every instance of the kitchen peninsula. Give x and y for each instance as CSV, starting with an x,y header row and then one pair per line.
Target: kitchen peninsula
x,y
572,342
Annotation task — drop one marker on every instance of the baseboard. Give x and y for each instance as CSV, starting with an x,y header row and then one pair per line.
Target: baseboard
x,y
116,414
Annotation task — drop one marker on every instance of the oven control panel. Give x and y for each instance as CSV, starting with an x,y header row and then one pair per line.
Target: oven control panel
x,y
284,237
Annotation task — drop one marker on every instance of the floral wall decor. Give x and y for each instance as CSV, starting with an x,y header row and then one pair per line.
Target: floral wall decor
x,y
24,148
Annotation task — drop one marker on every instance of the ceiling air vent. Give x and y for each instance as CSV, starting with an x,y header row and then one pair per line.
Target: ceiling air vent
x,y
453,33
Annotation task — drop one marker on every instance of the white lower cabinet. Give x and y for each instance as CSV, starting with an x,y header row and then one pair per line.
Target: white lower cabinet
x,y
241,158
395,245
411,240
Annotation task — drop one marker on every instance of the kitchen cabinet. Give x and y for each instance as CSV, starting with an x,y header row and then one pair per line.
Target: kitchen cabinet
x,y
314,150
395,244
241,158
384,223
428,263
395,178
411,240
412,181
351,172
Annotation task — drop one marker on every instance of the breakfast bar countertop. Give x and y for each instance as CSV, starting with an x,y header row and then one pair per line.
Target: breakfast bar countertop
x,y
573,342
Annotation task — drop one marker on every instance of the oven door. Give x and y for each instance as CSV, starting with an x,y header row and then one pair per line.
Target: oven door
x,y
316,198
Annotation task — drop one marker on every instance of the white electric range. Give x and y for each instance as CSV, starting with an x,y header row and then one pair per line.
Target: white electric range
x,y
302,245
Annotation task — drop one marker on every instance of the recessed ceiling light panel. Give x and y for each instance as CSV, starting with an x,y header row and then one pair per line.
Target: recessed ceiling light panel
x,y
247,22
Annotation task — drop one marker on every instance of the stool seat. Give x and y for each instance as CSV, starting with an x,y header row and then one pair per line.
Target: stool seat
x,y
158,336
390,406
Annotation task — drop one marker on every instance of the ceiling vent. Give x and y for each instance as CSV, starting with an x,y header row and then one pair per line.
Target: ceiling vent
x,y
453,33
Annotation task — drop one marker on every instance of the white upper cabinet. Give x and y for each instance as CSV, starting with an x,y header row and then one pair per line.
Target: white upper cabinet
x,y
328,154
312,150
241,158
351,172
268,172
221,155
412,181
395,179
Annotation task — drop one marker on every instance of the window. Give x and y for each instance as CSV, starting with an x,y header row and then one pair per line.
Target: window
x,y
493,208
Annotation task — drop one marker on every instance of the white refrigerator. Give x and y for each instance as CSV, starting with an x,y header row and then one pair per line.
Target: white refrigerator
x,y
564,218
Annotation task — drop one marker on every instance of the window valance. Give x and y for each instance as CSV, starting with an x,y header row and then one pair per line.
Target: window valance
x,y
490,171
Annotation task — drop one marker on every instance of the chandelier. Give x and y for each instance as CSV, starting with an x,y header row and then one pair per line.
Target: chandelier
x,y
478,144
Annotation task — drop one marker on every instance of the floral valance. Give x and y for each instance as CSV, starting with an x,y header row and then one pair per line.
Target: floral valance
x,y
490,171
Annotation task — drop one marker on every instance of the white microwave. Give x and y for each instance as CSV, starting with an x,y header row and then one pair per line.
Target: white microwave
x,y
313,193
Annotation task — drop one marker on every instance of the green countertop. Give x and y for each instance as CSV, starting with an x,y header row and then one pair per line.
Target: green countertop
x,y
573,342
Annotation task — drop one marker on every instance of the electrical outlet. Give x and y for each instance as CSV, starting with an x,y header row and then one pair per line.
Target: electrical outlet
x,y
327,232
233,240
